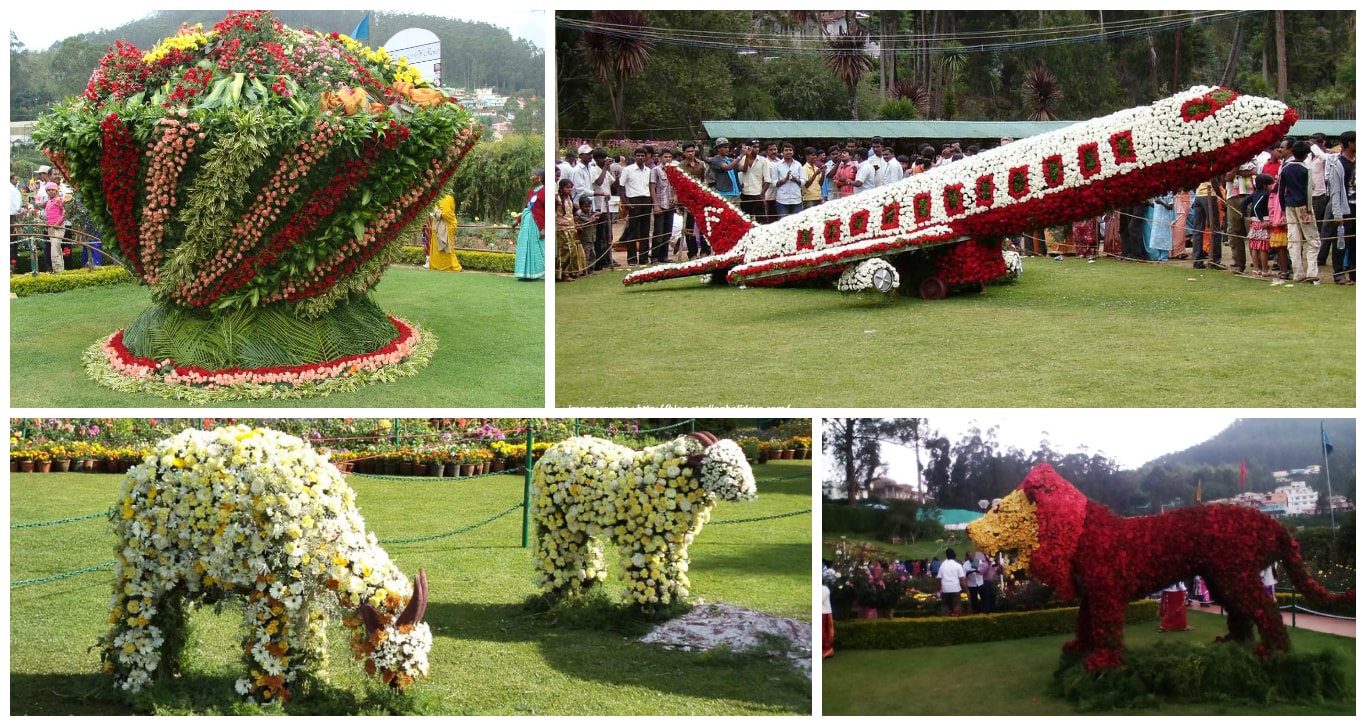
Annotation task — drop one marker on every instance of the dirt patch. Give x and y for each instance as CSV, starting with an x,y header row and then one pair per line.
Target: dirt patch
x,y
712,625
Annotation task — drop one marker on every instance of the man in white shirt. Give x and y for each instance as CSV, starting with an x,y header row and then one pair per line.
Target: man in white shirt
x,y
16,205
637,205
786,178
952,581
868,173
753,179
891,171
603,202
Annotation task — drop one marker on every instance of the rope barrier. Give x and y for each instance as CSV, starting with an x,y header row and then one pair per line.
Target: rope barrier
x,y
447,534
383,477
101,514
64,575
761,518
1306,610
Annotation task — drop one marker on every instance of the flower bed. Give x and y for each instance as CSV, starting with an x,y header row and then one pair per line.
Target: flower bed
x,y
255,165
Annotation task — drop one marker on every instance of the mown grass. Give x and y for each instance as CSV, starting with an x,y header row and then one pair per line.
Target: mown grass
x,y
491,330
922,549
1069,334
1011,678
492,653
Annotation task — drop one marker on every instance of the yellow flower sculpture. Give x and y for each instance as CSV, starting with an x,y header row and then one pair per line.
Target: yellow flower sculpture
x,y
652,503
1011,525
258,515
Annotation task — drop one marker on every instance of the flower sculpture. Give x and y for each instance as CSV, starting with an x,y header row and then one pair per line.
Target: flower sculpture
x,y
1081,548
258,515
1069,174
256,178
652,502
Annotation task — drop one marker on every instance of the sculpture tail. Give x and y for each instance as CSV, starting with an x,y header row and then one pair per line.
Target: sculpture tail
x,y
1303,581
718,220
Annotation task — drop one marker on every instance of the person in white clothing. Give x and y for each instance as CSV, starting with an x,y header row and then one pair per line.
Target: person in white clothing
x,y
952,580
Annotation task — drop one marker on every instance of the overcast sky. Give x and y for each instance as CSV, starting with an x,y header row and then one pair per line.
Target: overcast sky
x,y
1130,437
39,26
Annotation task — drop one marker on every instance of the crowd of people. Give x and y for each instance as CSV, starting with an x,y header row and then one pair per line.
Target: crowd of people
x,y
40,202
767,180
1281,215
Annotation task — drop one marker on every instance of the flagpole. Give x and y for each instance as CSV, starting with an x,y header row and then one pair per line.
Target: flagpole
x,y
1327,468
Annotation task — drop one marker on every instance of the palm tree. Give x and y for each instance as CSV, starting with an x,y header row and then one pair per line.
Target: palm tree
x,y
846,55
616,54
1042,94
915,92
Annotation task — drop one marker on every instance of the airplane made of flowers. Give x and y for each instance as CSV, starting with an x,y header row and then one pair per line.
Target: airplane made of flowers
x,y
962,209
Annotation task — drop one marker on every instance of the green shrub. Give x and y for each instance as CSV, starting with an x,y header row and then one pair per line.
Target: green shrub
x,y
1170,672
936,631
852,519
27,285
469,259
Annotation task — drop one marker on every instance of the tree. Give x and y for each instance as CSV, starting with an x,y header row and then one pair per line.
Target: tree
x,y
846,55
802,88
855,446
531,117
1041,94
616,54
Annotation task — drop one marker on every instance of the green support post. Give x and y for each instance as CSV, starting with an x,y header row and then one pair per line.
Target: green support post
x,y
526,494
692,425
1293,608
575,427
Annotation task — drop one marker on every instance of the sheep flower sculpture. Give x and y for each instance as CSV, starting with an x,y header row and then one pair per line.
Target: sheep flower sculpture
x,y
257,179
652,503
1082,549
260,516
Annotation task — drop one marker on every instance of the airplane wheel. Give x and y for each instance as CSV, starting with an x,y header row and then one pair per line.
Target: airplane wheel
x,y
933,288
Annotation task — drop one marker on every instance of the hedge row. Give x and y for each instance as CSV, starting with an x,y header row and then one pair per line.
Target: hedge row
x,y
936,631
28,285
469,259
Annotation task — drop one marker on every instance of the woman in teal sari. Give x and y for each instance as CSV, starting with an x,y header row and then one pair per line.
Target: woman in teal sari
x,y
530,263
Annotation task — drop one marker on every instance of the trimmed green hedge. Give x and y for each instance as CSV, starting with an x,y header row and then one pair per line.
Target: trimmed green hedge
x,y
28,285
936,631
469,259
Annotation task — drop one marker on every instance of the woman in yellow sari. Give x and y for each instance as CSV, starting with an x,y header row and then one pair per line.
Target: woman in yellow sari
x,y
443,238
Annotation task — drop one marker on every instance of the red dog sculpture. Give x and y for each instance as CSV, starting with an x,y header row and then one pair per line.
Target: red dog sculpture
x,y
1083,549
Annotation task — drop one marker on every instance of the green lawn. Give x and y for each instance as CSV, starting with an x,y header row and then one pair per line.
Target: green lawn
x,y
1011,677
922,549
491,654
491,330
1108,334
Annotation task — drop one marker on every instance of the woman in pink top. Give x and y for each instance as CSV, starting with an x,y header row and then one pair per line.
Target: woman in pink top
x,y
56,225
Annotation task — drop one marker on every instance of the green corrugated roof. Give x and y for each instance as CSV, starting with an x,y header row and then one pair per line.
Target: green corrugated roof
x,y
946,130
958,516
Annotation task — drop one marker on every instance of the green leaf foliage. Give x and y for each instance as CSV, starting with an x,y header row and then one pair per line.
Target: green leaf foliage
x,y
939,631
495,176
27,285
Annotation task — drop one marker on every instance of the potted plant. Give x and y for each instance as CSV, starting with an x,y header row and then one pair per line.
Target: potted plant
x,y
42,460
435,462
465,458
61,459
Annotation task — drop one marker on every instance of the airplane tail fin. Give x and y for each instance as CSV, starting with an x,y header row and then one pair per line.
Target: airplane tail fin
x,y
718,220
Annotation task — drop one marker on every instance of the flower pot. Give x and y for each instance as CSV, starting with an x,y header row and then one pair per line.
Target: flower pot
x,y
13,466
78,465
762,457
390,468
405,468
452,469
466,469
436,469
61,465
44,467
483,467
499,466
26,466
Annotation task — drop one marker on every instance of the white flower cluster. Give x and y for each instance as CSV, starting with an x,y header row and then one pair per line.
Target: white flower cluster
x,y
652,503
726,474
859,277
1014,265
243,512
404,653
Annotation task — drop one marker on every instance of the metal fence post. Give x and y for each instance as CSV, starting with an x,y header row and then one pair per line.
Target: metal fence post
x,y
526,493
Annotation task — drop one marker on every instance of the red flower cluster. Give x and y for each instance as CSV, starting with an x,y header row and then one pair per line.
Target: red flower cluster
x,y
1197,109
733,224
118,177
969,262
1086,550
891,215
923,205
129,364
952,200
857,222
1089,156
120,73
1052,171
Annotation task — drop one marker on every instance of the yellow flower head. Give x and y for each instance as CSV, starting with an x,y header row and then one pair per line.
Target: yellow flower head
x,y
1011,526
